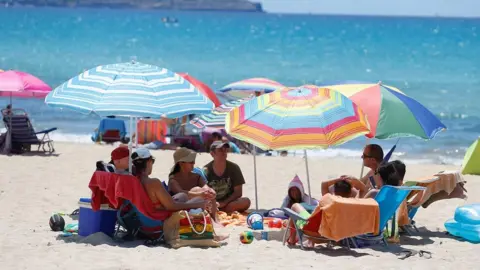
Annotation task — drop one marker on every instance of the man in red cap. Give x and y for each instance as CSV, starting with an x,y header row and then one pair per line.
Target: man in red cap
x,y
120,159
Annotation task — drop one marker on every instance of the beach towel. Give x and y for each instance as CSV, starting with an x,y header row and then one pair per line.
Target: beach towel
x,y
113,189
341,218
296,182
190,228
149,131
442,182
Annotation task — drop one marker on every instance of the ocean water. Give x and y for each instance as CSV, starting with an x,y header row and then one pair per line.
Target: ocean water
x,y
434,60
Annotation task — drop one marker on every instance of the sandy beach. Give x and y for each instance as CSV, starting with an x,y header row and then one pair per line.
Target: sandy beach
x,y
32,187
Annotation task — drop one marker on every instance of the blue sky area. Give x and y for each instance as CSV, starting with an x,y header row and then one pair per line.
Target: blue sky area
x,y
444,8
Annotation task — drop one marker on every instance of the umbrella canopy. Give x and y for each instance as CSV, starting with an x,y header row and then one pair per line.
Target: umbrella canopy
x,y
390,112
472,159
216,119
21,84
130,89
307,117
207,91
248,87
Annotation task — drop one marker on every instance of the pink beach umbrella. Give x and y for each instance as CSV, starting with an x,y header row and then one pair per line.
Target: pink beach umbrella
x,y
20,84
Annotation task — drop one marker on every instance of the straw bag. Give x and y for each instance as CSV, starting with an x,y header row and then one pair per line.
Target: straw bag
x,y
185,228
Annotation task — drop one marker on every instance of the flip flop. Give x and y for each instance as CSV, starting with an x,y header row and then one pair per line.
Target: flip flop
x,y
425,254
406,254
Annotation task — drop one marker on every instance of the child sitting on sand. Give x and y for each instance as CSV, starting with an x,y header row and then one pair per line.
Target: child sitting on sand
x,y
296,194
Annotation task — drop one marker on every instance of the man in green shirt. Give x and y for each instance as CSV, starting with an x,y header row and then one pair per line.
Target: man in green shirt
x,y
226,178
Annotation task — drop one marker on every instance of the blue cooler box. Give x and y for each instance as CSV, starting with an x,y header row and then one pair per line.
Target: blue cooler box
x,y
90,222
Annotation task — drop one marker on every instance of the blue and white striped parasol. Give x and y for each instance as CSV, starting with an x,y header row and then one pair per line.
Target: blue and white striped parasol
x,y
130,89
216,119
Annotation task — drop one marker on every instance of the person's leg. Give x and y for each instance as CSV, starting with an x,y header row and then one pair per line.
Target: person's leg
x,y
239,205
300,209
212,207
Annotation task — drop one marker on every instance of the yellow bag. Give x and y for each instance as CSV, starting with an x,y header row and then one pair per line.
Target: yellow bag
x,y
185,228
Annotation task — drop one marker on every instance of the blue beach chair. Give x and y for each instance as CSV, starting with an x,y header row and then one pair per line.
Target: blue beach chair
x,y
389,199
110,130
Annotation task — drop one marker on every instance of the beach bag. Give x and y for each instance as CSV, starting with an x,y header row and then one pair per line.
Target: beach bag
x,y
190,228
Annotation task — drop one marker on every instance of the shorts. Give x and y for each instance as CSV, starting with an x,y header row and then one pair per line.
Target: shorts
x,y
305,215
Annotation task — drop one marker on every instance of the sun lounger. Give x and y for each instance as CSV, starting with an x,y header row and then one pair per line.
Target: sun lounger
x,y
110,130
444,185
388,198
23,134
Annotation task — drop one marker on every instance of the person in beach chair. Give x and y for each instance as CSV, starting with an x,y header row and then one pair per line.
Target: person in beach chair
x,y
23,136
372,158
296,194
226,178
340,187
185,184
110,130
143,162
387,176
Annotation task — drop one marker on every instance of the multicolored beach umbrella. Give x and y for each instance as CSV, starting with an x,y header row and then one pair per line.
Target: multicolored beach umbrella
x,y
216,119
306,117
130,89
248,87
390,112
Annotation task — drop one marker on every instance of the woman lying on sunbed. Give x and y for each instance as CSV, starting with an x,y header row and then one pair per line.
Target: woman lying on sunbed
x,y
186,185
143,162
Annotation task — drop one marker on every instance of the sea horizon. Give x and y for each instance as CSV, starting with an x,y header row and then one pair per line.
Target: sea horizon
x,y
434,60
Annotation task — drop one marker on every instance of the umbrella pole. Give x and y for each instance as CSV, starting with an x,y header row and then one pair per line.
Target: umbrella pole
x,y
136,132
255,175
130,146
308,176
361,171
9,135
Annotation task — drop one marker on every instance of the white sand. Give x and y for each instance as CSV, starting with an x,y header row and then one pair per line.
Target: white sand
x,y
32,187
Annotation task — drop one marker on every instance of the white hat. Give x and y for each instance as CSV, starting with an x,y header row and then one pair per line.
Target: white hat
x,y
141,153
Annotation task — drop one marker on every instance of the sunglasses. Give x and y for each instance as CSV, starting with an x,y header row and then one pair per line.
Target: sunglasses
x,y
365,156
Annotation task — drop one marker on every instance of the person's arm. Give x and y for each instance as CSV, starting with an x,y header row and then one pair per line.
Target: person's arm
x,y
175,188
327,184
358,185
167,201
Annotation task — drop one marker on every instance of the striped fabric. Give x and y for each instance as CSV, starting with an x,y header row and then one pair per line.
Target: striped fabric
x,y
307,117
245,88
151,130
130,89
216,119
390,112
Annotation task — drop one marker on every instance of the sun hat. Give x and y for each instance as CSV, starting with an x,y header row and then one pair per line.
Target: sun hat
x,y
183,154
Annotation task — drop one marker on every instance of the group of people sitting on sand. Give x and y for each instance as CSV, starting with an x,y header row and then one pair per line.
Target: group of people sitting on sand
x,y
380,174
219,185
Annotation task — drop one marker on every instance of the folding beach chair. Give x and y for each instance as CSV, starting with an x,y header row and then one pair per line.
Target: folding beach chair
x,y
23,134
110,130
389,199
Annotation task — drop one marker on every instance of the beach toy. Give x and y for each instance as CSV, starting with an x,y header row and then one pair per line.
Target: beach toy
x,y
275,223
246,237
255,221
57,223
466,223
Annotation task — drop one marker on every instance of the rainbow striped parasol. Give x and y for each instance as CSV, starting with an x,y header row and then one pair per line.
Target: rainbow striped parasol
x,y
248,87
306,117
216,119
390,112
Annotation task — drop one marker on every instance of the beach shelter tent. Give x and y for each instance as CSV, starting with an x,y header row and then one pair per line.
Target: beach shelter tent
x,y
471,161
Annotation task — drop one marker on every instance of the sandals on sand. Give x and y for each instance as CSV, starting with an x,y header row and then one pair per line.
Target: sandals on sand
x,y
408,253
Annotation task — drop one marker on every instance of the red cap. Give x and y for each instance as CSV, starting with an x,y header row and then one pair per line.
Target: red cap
x,y
120,152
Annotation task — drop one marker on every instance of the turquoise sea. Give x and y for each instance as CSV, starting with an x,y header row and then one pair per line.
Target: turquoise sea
x,y
435,60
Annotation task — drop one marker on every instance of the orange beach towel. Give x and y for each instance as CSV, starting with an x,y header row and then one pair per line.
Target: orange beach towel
x,y
347,217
